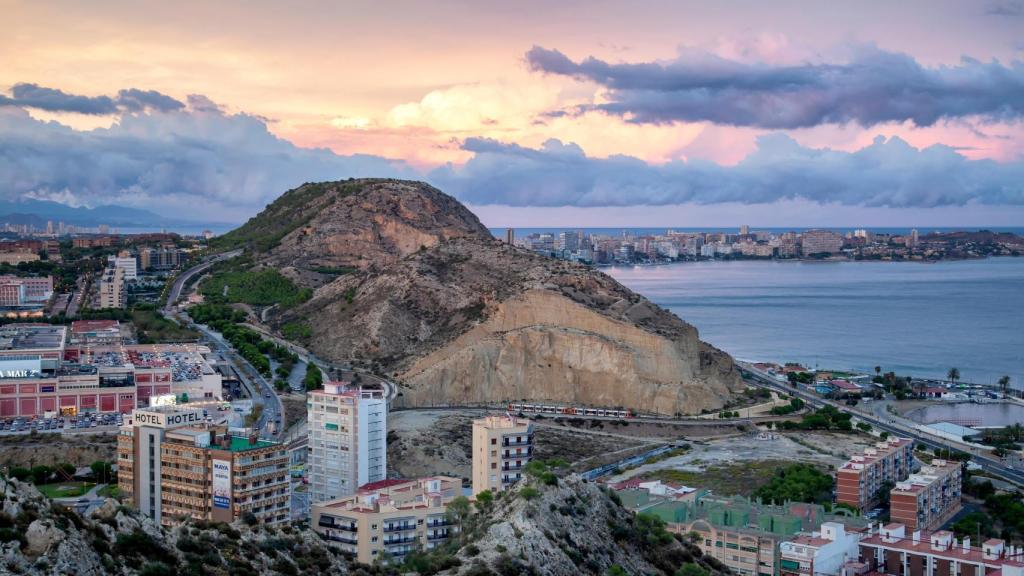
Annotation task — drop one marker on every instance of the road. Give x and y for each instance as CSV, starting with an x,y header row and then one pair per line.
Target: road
x,y
261,391
179,283
893,425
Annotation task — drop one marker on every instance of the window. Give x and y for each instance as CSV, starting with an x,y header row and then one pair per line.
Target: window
x,y
494,441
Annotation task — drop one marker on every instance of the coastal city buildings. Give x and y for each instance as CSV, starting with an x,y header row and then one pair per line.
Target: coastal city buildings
x,y
502,447
111,293
95,332
894,550
929,498
389,518
820,242
172,464
860,480
347,434
25,290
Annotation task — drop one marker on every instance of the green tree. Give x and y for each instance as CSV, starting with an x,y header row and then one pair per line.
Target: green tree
x,y
485,499
1004,384
458,511
690,569
953,375
102,471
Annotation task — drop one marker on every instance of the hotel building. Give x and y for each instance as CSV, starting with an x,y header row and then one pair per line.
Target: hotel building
x,y
390,518
347,428
926,500
859,480
171,464
891,550
502,447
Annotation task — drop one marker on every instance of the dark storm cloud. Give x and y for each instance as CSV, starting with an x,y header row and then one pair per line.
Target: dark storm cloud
x,y
888,173
873,87
195,164
54,100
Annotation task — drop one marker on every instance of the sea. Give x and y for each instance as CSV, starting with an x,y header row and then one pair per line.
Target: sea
x,y
914,318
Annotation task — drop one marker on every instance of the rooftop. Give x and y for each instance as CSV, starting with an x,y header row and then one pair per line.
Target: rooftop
x,y
31,337
241,444
80,326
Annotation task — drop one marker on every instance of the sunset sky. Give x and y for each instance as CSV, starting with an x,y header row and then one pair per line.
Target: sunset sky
x,y
533,113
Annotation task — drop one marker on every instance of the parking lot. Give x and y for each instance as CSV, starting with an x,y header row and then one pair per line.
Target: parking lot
x,y
24,425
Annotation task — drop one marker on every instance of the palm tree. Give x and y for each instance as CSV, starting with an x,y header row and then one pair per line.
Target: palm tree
x,y
953,375
1004,384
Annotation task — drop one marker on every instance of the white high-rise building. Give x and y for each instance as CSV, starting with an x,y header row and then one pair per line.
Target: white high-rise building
x,y
347,432
125,261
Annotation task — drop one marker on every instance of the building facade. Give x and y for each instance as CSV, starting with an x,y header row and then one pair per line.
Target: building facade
x,y
172,465
927,499
111,289
502,447
389,519
347,437
895,551
820,242
823,552
858,481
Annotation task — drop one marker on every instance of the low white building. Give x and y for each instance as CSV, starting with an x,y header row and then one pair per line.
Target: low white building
x,y
823,552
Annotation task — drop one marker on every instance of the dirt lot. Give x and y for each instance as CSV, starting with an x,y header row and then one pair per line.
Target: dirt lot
x,y
439,442
49,449
742,463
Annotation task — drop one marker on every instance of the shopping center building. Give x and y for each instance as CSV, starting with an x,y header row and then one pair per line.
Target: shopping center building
x,y
40,374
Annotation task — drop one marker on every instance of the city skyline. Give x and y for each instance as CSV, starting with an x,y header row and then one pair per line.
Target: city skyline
x,y
666,115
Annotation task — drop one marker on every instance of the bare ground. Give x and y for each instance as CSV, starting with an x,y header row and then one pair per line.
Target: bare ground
x,y
48,449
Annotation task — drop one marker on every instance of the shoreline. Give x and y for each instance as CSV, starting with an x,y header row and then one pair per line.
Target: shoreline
x,y
799,261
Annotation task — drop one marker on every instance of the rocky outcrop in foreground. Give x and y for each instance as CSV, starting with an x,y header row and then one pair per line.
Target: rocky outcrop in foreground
x,y
38,537
571,528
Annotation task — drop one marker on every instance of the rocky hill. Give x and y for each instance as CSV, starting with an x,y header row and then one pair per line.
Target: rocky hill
x,y
547,526
38,537
411,284
570,528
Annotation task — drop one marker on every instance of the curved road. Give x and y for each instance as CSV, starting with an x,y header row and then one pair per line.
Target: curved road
x,y
261,392
891,425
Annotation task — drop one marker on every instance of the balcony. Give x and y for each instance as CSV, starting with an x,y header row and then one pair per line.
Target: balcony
x,y
513,456
437,536
399,527
328,522
402,540
343,539
438,523
525,442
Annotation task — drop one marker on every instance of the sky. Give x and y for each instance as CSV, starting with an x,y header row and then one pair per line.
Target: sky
x,y
532,113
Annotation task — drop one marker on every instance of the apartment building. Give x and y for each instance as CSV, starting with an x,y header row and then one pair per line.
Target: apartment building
x,y
741,533
820,242
171,464
823,552
111,288
22,290
894,551
859,480
347,434
390,518
502,447
927,499
125,261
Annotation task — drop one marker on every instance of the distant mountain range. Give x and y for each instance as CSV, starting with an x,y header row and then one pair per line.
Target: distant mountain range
x,y
38,212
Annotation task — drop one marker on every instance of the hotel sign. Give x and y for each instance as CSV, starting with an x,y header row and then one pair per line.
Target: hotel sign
x,y
167,419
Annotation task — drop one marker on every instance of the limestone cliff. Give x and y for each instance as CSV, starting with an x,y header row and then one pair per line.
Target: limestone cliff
x,y
433,301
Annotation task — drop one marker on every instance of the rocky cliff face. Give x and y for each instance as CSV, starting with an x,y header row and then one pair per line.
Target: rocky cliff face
x,y
453,315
